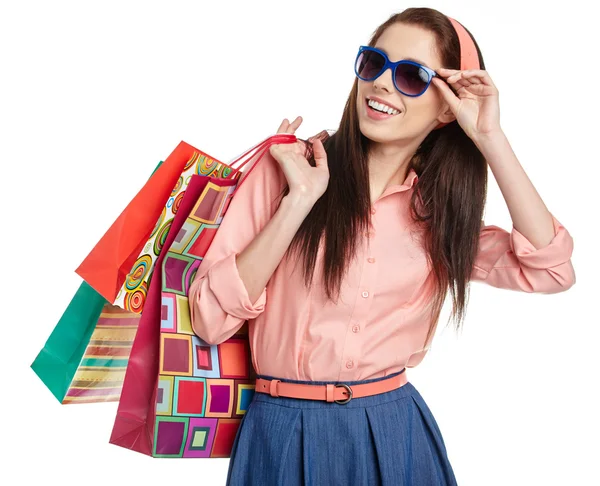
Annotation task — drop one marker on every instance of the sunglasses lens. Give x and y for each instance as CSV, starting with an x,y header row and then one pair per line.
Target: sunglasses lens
x,y
369,65
411,79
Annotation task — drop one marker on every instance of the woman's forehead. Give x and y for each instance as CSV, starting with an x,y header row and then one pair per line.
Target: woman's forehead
x,y
403,41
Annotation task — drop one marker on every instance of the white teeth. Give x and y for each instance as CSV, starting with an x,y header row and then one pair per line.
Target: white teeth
x,y
381,107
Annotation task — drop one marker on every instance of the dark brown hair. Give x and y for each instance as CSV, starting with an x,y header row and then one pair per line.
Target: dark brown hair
x,y
447,202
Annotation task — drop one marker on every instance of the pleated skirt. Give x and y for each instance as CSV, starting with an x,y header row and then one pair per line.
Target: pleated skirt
x,y
389,439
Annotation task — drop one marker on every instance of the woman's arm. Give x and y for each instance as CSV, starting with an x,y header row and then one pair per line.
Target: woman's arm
x,y
536,255
257,263
528,212
230,286
254,235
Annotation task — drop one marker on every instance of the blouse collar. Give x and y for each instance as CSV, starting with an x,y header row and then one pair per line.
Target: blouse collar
x,y
409,182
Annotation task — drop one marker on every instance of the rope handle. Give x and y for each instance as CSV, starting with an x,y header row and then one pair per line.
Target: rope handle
x,y
260,149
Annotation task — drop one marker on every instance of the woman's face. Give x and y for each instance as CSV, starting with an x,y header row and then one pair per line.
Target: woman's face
x,y
418,115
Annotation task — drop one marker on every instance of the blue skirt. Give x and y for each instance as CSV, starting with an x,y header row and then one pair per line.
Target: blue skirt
x,y
389,439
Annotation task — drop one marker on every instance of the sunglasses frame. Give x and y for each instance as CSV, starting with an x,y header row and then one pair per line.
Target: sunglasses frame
x,y
388,64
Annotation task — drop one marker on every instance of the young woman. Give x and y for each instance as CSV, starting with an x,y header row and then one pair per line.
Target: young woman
x,y
341,260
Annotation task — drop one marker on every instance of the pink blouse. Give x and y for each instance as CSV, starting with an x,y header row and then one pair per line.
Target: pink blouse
x,y
380,323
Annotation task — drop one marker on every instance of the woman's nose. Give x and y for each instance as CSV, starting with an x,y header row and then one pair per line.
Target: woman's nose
x,y
385,81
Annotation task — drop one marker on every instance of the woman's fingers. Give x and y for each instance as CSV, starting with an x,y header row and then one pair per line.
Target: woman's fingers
x,y
283,127
287,127
295,124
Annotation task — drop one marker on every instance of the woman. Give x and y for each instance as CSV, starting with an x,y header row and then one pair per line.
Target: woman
x,y
341,261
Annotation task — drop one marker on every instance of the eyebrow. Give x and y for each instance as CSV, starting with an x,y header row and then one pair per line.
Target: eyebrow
x,y
406,58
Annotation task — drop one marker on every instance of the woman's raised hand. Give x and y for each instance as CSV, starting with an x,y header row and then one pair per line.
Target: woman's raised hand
x,y
307,183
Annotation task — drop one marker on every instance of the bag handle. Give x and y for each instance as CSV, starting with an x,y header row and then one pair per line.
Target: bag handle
x,y
260,149
246,156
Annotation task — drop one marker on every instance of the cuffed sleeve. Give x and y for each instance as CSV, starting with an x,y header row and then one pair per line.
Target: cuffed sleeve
x,y
219,301
510,261
229,290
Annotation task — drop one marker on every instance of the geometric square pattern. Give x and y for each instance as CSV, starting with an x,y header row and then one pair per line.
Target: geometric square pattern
x,y
167,313
224,437
175,269
206,359
234,358
169,436
164,395
202,240
190,396
220,397
210,204
186,233
184,323
175,354
243,397
200,438
203,390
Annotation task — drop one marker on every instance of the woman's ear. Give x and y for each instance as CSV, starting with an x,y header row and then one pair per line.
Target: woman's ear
x,y
446,116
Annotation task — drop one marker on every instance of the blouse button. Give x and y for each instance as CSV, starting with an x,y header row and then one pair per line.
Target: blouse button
x,y
373,210
349,364
371,260
365,294
369,234
355,328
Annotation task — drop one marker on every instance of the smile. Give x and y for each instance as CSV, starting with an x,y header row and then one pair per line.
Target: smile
x,y
378,111
382,108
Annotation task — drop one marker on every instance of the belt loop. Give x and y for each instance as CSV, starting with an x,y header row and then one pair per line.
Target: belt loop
x,y
330,389
273,388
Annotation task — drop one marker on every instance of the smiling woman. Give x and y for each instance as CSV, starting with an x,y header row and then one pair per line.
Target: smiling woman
x,y
340,253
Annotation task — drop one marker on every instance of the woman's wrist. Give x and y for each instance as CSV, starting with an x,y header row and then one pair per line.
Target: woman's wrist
x,y
297,204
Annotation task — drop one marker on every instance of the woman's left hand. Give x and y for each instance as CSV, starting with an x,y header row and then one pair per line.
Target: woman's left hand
x,y
476,107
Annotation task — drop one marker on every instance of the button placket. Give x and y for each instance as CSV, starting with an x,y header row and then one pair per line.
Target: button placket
x,y
353,344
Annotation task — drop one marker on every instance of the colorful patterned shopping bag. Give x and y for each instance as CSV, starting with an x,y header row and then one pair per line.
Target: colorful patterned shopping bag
x,y
133,292
181,396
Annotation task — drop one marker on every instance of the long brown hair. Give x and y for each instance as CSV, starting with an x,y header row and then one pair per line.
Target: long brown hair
x,y
448,200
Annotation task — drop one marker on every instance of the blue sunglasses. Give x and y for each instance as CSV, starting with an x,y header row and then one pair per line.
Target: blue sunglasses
x,y
410,78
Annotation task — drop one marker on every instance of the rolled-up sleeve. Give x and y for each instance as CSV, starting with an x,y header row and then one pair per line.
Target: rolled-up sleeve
x,y
219,301
229,289
509,260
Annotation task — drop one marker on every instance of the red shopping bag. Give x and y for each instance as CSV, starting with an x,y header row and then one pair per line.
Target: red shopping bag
x,y
168,406
106,267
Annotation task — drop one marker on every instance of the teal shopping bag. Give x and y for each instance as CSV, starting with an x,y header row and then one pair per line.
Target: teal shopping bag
x,y
98,367
59,359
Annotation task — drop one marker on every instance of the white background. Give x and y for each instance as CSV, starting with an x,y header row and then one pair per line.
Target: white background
x,y
95,94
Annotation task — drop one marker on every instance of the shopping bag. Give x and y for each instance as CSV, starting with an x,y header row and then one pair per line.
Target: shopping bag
x,y
182,397
111,260
57,362
85,357
132,294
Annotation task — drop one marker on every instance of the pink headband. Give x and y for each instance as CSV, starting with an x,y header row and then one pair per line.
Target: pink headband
x,y
469,59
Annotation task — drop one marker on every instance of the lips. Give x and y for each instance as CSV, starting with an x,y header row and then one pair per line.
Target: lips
x,y
384,102
377,115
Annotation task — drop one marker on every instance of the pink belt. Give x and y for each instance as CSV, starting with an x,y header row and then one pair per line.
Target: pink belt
x,y
340,393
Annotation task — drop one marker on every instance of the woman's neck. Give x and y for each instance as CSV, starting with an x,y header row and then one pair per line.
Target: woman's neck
x,y
388,166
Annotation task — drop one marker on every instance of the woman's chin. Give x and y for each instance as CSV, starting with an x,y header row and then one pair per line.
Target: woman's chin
x,y
377,132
